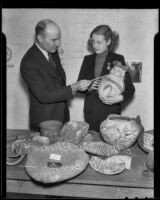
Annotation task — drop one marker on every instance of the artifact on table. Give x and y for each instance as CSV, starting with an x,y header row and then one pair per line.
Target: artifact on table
x,y
146,140
121,131
74,131
56,162
113,83
51,129
17,150
110,166
46,162
99,148
87,138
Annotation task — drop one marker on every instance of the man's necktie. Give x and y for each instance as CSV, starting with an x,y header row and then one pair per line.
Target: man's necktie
x,y
53,64
51,61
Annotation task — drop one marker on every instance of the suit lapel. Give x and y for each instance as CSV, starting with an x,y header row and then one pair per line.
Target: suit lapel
x,y
45,64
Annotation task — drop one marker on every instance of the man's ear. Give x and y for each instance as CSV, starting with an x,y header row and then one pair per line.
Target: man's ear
x,y
109,41
39,38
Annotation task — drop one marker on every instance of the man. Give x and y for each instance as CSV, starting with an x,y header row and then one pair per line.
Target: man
x,y
42,71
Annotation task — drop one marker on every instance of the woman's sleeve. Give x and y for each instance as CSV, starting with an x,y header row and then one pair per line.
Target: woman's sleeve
x,y
36,85
129,87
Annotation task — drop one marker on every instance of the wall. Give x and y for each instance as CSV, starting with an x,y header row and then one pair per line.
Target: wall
x,y
136,27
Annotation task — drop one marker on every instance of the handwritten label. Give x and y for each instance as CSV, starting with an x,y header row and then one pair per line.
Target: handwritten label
x,y
55,157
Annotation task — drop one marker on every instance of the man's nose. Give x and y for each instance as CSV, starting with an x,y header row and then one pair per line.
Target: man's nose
x,y
57,43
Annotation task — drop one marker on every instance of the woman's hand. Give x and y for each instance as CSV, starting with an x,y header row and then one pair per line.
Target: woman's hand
x,y
94,85
83,85
80,85
113,99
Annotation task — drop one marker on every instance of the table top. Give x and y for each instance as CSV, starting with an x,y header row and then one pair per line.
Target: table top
x,y
91,184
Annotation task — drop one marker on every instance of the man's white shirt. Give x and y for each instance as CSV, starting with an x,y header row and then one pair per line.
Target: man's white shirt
x,y
43,51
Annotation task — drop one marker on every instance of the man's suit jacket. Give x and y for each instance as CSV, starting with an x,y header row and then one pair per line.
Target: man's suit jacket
x,y
46,86
93,107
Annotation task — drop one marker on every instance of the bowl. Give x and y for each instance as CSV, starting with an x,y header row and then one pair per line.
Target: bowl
x,y
51,129
121,131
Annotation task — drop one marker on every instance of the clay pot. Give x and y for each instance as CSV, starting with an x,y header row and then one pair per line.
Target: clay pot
x,y
120,131
51,129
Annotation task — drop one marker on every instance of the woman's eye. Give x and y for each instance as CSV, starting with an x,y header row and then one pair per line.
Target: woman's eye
x,y
53,40
96,42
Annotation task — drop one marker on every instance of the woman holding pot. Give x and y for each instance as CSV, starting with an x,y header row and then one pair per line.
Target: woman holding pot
x,y
102,43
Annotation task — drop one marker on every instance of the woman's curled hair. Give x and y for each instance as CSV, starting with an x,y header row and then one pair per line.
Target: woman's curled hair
x,y
108,34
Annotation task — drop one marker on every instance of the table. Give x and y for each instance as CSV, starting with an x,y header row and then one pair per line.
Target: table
x,y
89,184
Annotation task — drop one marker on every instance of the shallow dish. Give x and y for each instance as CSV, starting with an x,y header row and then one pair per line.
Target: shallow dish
x,y
108,166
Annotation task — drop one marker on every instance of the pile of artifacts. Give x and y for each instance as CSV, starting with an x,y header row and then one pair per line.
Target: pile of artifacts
x,y
51,161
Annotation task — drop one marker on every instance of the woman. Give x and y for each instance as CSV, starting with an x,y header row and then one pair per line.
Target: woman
x,y
102,43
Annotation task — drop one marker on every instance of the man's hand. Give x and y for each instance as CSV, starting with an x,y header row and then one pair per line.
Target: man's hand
x,y
113,99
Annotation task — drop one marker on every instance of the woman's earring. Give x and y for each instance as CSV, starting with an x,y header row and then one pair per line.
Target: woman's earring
x,y
108,66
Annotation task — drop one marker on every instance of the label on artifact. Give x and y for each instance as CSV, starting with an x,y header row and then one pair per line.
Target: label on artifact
x,y
55,157
128,162
148,141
